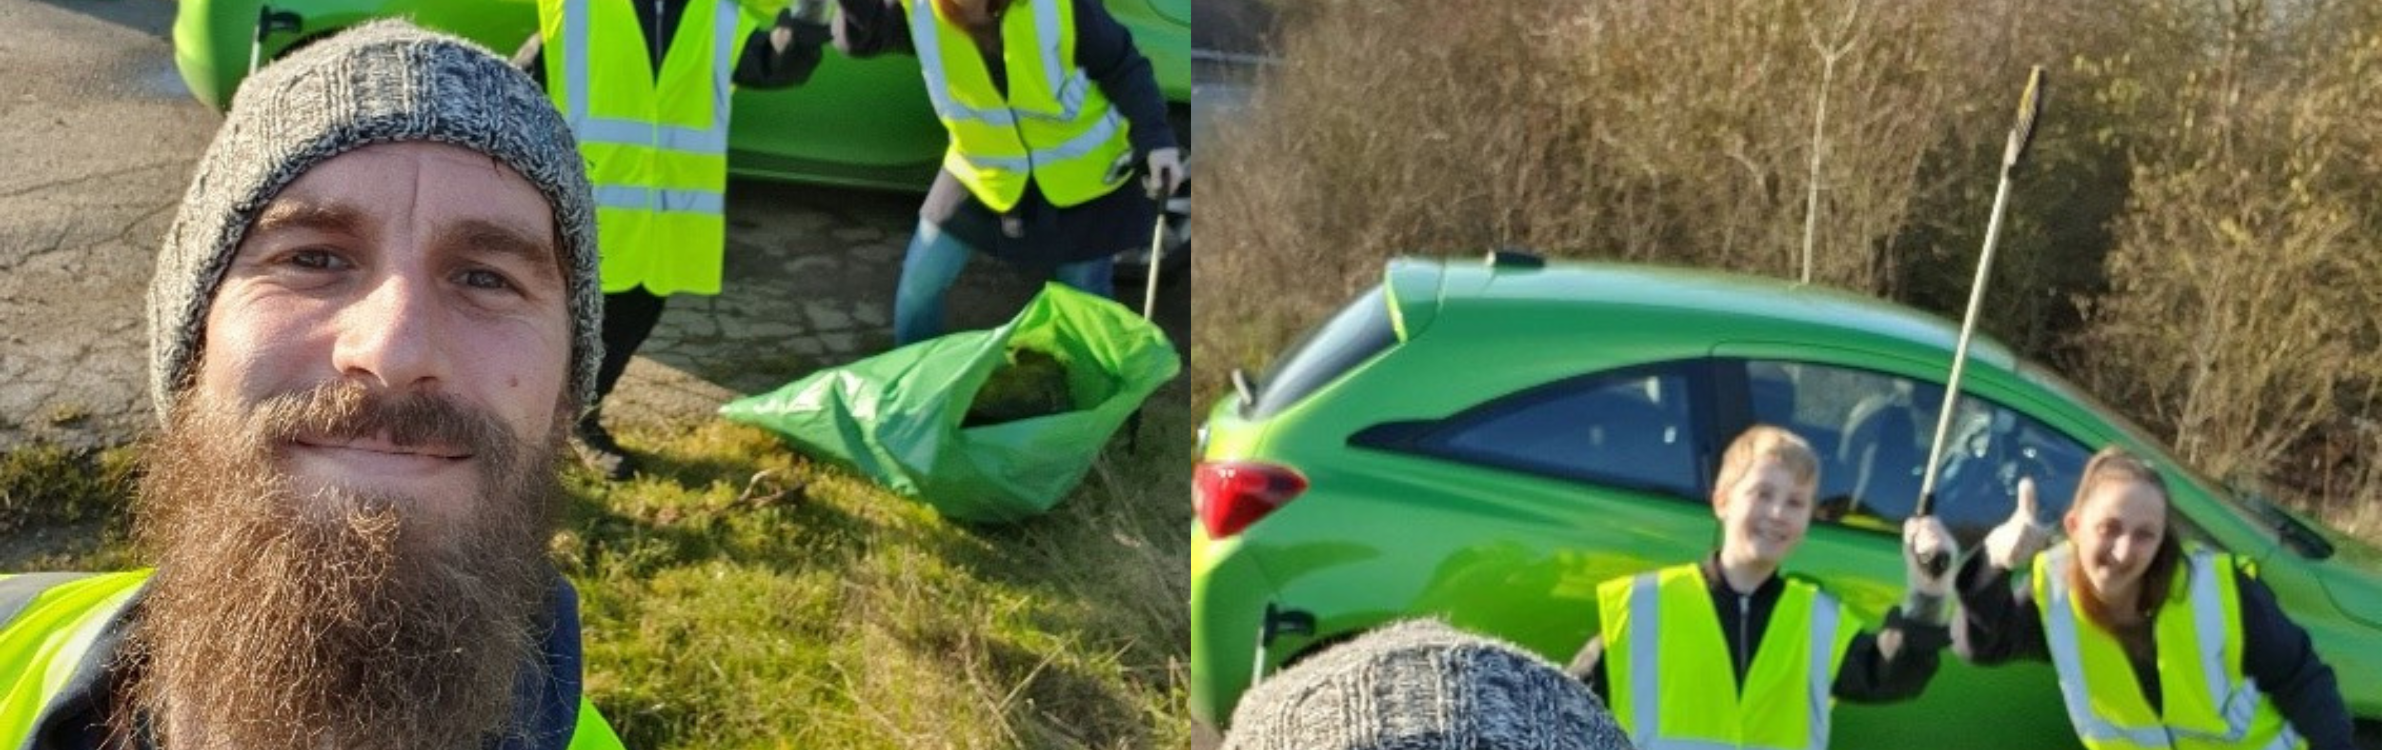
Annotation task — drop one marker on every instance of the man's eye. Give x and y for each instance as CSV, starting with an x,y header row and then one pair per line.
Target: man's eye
x,y
485,279
314,259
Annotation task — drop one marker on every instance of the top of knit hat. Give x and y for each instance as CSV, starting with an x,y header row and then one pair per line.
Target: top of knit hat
x,y
1422,685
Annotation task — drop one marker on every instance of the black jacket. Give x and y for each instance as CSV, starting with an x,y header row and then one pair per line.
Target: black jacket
x,y
1890,665
1103,226
2000,624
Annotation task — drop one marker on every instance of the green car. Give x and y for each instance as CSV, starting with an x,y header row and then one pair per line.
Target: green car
x,y
862,123
1486,443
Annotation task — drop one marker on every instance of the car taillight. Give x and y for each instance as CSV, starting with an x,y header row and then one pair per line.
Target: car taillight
x,y
1234,494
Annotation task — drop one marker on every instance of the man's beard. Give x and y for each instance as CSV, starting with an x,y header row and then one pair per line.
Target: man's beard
x,y
338,619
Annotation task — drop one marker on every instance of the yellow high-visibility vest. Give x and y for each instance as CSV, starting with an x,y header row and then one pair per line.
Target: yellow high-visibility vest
x,y
1671,683
48,622
1055,127
656,144
2206,701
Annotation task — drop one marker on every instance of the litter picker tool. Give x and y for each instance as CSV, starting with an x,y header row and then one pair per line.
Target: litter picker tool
x,y
1149,302
2030,105
1149,291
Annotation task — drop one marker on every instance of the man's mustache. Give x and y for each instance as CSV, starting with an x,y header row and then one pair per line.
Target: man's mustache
x,y
351,411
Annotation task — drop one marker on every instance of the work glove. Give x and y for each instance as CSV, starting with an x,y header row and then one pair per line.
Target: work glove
x,y
1930,594
1165,174
2015,542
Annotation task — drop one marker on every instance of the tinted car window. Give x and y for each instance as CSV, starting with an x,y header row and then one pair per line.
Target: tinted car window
x,y
1359,331
1872,432
1629,429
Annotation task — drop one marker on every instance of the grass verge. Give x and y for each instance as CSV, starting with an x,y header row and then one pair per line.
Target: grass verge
x,y
739,595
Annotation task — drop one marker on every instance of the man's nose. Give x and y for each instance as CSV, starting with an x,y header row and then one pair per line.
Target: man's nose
x,y
389,336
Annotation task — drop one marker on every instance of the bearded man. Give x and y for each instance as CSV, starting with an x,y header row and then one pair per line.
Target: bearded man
x,y
371,324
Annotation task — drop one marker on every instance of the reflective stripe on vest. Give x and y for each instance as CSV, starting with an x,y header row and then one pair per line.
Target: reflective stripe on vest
x,y
633,197
656,142
2208,703
1054,127
1672,687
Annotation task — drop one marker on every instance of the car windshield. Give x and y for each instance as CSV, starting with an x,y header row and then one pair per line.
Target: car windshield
x,y
2228,495
1872,432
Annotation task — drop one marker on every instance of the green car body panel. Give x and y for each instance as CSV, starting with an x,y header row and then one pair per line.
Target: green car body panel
x,y
858,123
1380,535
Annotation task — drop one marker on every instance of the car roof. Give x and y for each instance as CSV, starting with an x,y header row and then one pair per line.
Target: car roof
x,y
1753,308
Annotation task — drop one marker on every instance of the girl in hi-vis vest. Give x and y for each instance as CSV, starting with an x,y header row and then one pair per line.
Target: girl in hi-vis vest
x,y
2156,644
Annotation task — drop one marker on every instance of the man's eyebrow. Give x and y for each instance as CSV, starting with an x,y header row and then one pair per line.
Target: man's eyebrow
x,y
486,236
287,213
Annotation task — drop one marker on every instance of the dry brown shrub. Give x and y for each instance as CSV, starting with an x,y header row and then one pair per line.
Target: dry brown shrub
x,y
1658,132
2194,236
2242,319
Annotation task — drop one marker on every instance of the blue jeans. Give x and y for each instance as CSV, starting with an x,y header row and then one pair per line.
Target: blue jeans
x,y
933,263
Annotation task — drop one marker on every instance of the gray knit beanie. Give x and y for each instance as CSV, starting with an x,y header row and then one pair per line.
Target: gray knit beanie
x,y
1421,685
381,82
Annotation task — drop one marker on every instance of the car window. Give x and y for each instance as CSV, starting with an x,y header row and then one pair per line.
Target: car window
x,y
1629,429
1871,431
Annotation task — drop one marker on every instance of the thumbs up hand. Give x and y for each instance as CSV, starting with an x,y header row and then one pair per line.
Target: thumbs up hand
x,y
2016,541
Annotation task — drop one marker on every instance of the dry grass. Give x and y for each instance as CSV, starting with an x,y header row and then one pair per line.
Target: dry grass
x,y
740,596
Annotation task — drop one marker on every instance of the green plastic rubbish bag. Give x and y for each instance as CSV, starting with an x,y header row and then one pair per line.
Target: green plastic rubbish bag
x,y
897,417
